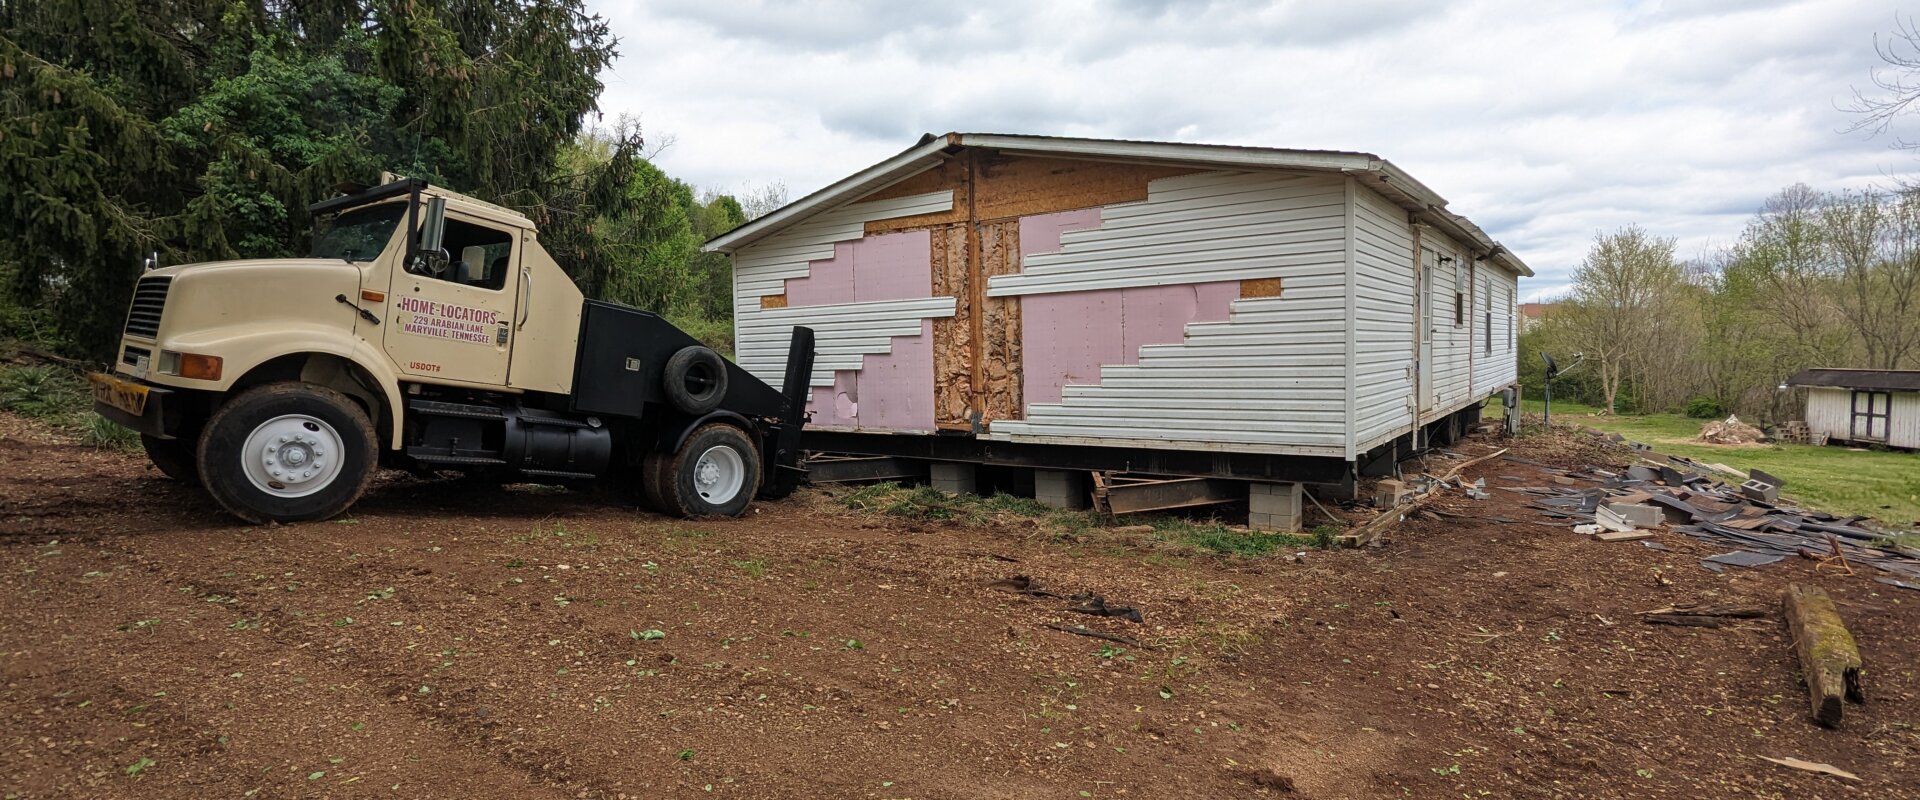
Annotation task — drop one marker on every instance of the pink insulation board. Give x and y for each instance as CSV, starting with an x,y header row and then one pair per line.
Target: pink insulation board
x,y
891,391
1067,336
888,266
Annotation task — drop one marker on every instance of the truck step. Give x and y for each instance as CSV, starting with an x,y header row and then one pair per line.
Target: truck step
x,y
555,473
435,458
463,410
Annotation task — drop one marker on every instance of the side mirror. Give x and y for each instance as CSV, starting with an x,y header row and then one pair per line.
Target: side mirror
x,y
433,229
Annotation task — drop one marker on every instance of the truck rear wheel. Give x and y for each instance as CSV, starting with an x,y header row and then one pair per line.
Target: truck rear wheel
x,y
173,457
287,452
715,473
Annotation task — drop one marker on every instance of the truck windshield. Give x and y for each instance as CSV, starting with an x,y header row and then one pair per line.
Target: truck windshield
x,y
358,234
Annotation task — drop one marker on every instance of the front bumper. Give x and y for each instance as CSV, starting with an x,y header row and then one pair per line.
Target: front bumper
x,y
160,416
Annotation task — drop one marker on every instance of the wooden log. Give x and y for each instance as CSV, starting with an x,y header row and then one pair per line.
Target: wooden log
x,y
1829,658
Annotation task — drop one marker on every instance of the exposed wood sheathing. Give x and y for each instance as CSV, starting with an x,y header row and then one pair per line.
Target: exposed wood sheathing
x,y
952,336
977,353
1260,287
999,334
1018,187
773,301
1010,187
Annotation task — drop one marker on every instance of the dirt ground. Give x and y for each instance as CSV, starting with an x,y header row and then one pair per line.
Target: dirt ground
x,y
453,640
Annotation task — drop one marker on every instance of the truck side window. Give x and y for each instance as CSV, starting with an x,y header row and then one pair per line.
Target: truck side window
x,y
481,256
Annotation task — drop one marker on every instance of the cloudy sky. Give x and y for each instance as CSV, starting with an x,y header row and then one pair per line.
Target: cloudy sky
x,y
1543,122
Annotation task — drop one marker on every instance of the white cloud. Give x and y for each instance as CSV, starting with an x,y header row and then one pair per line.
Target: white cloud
x,y
1544,122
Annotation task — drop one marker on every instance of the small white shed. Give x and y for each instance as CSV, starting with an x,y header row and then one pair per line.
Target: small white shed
x,y
1863,406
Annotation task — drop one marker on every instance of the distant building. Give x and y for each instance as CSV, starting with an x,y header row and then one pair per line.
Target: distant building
x,y
1863,406
1532,313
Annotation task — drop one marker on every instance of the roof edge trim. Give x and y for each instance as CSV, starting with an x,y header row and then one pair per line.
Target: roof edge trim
x,y
832,194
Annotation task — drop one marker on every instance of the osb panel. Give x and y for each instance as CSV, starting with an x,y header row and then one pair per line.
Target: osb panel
x,y
950,174
1260,287
1009,187
999,367
952,336
773,300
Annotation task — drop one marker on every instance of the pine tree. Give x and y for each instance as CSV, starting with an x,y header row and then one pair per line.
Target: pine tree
x,y
201,129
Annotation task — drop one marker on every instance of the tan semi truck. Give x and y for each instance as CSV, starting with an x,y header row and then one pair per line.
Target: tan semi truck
x,y
428,330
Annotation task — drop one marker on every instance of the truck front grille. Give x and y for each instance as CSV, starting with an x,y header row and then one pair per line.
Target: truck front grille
x,y
149,299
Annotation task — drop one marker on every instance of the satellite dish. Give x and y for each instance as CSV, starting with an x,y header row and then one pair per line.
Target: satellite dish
x,y
1552,369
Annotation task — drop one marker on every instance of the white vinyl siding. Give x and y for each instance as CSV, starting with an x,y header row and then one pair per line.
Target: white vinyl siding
x,y
1383,320
1211,226
844,333
1271,378
1452,331
1493,356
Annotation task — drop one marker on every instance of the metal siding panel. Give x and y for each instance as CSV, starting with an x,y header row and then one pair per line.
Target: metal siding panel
x,y
1829,411
1197,229
1384,299
1270,378
1903,424
845,332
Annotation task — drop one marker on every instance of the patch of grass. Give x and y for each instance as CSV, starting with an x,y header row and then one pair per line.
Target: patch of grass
x,y
59,397
1218,538
1881,484
754,568
926,504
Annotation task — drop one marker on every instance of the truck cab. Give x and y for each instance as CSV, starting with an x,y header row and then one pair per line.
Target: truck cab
x,y
429,330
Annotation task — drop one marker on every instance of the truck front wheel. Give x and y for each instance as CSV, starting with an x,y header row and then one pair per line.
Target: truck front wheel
x,y
714,474
287,452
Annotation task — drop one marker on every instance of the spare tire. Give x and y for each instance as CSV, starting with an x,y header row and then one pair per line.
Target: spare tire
x,y
695,379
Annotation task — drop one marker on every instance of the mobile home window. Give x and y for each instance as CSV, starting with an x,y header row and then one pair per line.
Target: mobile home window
x,y
1486,306
1459,294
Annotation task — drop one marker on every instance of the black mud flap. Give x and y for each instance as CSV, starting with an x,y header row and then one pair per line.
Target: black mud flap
x,y
781,447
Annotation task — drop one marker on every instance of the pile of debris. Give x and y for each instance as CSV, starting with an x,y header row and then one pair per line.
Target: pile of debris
x,y
1683,495
1731,431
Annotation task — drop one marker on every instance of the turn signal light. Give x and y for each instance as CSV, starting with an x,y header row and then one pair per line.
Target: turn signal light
x,y
372,296
206,368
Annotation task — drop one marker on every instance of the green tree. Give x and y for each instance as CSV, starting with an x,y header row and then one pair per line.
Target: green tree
x,y
1629,297
200,129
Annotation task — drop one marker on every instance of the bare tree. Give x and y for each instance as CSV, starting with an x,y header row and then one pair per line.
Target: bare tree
x,y
1627,302
1896,91
1876,281
759,201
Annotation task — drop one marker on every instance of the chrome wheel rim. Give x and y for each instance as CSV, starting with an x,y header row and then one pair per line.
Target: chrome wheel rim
x,y
292,455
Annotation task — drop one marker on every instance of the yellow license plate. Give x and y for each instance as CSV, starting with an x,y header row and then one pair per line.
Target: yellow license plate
x,y
124,395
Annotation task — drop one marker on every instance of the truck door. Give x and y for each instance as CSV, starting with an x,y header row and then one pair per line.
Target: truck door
x,y
452,319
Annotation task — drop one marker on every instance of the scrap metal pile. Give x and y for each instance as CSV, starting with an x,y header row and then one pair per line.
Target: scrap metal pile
x,y
1749,517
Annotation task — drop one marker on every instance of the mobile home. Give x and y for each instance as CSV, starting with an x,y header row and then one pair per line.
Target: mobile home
x,y
1259,314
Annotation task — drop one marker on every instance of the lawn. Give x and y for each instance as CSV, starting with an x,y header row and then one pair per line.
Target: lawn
x,y
1882,484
